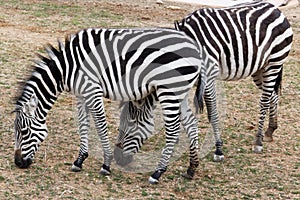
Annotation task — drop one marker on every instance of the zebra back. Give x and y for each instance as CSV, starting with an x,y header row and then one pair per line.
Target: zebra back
x,y
241,39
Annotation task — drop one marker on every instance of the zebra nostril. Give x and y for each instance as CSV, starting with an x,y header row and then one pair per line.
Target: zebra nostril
x,y
21,163
18,161
18,158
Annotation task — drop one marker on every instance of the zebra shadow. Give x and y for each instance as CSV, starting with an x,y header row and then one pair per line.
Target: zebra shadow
x,y
150,152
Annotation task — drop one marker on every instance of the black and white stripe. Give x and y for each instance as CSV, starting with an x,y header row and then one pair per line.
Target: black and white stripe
x,y
131,137
251,39
122,65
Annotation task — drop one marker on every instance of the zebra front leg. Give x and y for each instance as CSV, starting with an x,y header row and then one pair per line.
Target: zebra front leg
x,y
190,124
268,137
98,114
84,124
172,129
213,117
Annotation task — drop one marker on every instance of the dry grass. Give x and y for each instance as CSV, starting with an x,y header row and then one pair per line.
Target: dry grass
x,y
25,26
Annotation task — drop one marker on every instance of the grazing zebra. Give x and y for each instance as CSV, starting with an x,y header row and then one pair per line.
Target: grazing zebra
x,y
136,125
251,39
119,64
131,137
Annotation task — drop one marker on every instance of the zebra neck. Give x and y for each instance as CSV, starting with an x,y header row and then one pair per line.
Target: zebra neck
x,y
42,103
45,85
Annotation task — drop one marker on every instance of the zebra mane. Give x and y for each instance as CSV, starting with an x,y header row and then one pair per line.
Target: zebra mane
x,y
40,63
22,83
53,52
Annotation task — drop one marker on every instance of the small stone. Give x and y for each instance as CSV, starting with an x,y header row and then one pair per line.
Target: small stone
x,y
159,2
174,7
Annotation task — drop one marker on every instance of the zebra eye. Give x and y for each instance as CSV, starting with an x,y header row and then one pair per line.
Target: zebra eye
x,y
23,131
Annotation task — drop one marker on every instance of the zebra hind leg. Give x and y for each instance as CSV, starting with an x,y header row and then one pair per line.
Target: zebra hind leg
x,y
268,137
213,117
172,129
264,105
268,102
190,125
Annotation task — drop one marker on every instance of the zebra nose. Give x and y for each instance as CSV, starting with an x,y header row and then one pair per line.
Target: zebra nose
x,y
20,162
121,158
18,158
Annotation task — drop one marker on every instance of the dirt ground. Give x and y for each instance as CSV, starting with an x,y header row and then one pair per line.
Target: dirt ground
x,y
26,26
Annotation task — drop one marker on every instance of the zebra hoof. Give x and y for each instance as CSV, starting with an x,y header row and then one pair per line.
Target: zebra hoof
x,y
258,149
74,168
218,158
104,172
187,176
152,180
268,138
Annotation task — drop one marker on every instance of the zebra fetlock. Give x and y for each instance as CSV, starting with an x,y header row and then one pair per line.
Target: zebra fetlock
x,y
258,146
154,178
219,156
105,170
77,165
268,137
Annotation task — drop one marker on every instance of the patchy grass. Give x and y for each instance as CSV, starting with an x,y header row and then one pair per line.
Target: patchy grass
x,y
28,25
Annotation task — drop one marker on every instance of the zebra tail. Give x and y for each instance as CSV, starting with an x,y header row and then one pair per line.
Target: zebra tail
x,y
278,82
199,94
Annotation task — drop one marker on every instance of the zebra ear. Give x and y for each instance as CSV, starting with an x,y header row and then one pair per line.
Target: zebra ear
x,y
31,105
17,109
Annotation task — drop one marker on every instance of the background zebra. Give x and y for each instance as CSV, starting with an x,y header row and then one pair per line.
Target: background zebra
x,y
251,39
122,65
131,137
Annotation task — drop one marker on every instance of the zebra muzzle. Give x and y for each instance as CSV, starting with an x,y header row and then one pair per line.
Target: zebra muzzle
x,y
121,158
20,161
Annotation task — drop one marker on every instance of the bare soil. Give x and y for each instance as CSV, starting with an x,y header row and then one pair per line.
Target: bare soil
x,y
26,26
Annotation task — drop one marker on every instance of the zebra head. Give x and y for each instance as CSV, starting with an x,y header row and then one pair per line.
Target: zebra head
x,y
136,125
180,25
30,131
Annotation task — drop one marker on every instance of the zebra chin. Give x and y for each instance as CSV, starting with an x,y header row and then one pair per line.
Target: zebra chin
x,y
20,161
121,158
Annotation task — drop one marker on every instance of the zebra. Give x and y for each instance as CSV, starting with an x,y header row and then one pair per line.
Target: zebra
x,y
136,125
118,64
246,39
249,39
131,137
